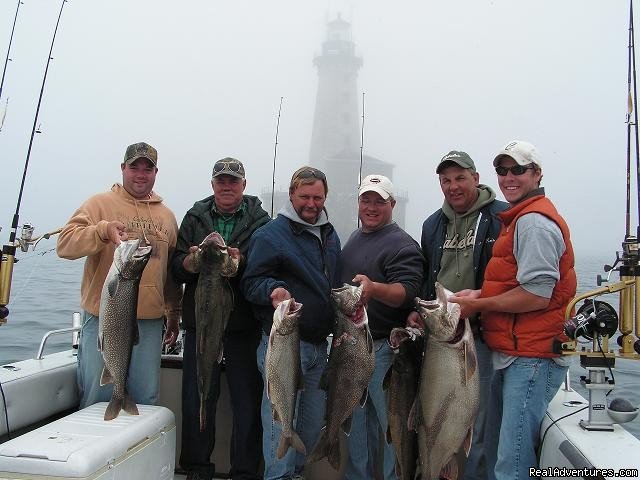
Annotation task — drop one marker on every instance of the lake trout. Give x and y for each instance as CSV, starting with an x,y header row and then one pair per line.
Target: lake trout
x,y
213,305
401,384
283,372
348,372
117,322
447,401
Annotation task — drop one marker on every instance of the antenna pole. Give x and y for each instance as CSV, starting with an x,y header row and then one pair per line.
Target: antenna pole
x,y
361,150
275,154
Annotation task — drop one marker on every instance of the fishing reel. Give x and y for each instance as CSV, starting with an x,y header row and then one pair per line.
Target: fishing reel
x,y
594,318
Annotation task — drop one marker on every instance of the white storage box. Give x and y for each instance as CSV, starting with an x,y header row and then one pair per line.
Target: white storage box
x,y
84,446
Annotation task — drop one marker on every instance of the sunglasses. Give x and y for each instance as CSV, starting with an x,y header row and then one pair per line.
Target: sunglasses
x,y
228,166
515,170
311,172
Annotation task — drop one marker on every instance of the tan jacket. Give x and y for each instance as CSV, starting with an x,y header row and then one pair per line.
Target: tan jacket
x,y
85,235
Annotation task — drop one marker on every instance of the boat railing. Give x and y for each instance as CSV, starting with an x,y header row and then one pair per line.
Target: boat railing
x,y
75,328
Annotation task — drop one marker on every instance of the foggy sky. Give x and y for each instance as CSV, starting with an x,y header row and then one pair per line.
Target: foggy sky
x,y
201,80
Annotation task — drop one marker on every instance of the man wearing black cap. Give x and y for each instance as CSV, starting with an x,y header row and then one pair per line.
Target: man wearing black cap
x,y
130,210
456,243
235,217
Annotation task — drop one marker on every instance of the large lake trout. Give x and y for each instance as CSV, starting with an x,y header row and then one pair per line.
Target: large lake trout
x,y
349,370
283,372
117,322
447,401
213,305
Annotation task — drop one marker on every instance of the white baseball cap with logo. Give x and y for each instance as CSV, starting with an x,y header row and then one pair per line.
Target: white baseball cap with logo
x,y
377,183
522,152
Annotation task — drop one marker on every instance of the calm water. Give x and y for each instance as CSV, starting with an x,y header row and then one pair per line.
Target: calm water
x,y
45,293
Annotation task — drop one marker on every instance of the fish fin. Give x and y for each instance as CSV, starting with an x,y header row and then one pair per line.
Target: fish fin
x,y
324,379
221,355
112,286
470,363
466,444
113,409
130,406
346,425
106,376
276,417
414,419
203,415
386,381
266,389
363,398
135,333
450,470
99,342
369,341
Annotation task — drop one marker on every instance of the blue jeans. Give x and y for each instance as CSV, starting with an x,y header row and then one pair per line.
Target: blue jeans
x,y
520,395
144,368
369,426
476,464
309,416
245,390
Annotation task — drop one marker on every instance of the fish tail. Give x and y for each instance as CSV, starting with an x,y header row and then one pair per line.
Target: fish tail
x,y
326,448
283,445
130,406
296,442
113,409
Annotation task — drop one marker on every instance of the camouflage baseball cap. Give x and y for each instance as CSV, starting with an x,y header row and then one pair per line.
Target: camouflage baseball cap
x,y
228,166
141,150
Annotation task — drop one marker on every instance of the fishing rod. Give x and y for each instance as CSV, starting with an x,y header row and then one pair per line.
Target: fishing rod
x,y
361,149
632,126
275,154
9,249
7,59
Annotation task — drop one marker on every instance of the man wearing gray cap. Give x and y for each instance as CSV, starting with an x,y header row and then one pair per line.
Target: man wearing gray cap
x,y
528,284
456,242
235,217
388,263
130,210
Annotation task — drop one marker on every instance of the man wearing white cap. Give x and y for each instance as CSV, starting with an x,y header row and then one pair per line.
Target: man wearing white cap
x,y
527,286
388,263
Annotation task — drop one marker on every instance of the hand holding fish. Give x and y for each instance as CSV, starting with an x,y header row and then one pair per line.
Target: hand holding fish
x,y
414,320
234,253
189,262
279,295
368,288
116,232
467,299
171,333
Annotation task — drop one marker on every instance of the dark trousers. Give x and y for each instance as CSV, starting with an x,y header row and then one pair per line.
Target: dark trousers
x,y
245,389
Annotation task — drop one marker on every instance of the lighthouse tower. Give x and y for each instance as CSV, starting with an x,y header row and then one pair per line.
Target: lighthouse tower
x,y
336,136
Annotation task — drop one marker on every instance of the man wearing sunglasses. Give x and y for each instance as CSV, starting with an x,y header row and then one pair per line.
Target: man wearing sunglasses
x,y
388,263
527,286
235,216
456,243
296,255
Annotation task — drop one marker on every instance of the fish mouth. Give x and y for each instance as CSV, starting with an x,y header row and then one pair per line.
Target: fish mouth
x,y
213,238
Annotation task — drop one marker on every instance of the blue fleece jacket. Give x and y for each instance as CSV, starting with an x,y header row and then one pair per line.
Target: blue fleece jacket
x,y
284,253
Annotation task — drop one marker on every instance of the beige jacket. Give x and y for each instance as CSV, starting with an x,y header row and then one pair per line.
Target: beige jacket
x,y
85,235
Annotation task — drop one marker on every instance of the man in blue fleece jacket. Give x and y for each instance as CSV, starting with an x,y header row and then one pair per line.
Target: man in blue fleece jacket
x,y
295,255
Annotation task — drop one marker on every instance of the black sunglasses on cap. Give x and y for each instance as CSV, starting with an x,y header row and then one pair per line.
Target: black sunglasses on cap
x,y
515,170
309,173
229,166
